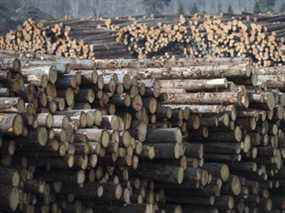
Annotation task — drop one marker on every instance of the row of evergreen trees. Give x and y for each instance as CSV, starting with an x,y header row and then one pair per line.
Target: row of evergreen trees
x,y
260,6
267,6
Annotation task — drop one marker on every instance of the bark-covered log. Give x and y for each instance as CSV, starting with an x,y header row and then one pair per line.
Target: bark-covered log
x,y
9,177
9,198
218,169
168,151
264,100
72,177
96,135
11,64
11,124
228,98
39,71
195,85
10,104
163,173
167,135
44,119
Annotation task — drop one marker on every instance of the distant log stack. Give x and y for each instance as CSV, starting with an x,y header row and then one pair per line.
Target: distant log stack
x,y
76,38
54,40
260,38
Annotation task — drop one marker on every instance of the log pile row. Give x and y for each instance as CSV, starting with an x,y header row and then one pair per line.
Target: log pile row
x,y
202,36
69,136
86,39
148,136
231,118
95,32
257,37
31,37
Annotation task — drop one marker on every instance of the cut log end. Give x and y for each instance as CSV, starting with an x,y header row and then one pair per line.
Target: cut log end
x,y
69,97
81,177
42,136
70,161
270,100
93,160
180,175
98,118
100,191
142,131
105,139
247,144
14,199
231,202
18,125
235,185
15,179
238,134
118,192
137,103
225,172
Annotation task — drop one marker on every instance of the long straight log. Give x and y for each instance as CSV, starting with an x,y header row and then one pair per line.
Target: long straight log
x,y
167,135
49,71
163,173
195,85
229,98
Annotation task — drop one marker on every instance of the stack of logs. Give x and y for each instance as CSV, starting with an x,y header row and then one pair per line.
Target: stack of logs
x,y
86,39
55,39
257,37
146,136
95,32
202,35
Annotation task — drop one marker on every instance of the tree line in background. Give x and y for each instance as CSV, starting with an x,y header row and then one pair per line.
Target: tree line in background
x,y
260,6
21,9
265,6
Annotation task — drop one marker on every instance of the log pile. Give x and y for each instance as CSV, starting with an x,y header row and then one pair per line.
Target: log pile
x,y
70,137
86,39
257,37
95,32
31,37
148,136
201,35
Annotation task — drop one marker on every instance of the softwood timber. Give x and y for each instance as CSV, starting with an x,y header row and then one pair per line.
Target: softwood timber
x,y
237,98
172,135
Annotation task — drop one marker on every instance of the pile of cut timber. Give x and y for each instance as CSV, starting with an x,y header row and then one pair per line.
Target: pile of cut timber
x,y
202,35
31,37
95,32
149,136
257,37
86,39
